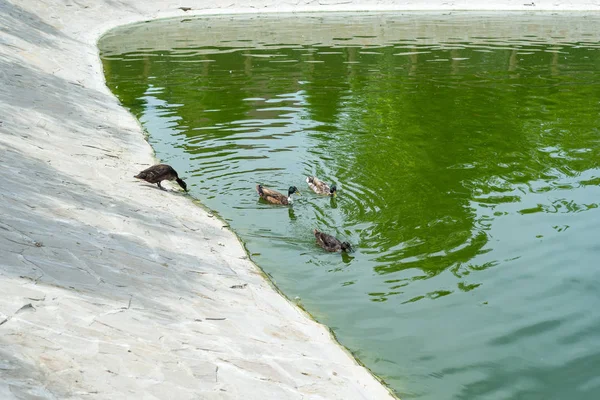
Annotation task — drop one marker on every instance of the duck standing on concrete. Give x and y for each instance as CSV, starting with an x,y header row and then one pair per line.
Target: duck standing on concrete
x,y
274,197
320,187
161,172
330,243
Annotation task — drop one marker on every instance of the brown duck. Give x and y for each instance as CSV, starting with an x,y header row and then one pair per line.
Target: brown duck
x,y
330,243
275,197
161,172
320,187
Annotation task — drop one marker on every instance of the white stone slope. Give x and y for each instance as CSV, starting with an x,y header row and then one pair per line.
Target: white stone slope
x,y
110,288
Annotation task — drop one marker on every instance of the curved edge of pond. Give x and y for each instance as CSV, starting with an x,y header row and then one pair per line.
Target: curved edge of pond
x,y
215,214
197,202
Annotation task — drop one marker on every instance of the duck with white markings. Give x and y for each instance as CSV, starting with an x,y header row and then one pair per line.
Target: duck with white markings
x,y
320,187
274,197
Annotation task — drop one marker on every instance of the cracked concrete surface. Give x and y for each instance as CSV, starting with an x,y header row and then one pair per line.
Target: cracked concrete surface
x,y
112,289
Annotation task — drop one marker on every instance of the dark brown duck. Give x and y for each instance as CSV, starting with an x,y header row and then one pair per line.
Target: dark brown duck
x,y
330,243
161,172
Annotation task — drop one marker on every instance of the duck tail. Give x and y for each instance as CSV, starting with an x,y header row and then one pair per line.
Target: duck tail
x,y
309,179
346,246
259,189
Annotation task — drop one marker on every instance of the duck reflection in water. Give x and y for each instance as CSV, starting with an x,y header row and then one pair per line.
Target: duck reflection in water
x,y
291,214
333,202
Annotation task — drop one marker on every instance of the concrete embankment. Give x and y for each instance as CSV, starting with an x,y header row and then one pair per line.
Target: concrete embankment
x,y
111,288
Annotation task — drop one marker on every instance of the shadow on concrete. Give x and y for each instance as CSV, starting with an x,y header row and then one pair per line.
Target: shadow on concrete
x,y
18,22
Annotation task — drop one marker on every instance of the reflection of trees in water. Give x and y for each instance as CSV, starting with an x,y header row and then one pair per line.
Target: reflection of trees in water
x,y
416,141
439,138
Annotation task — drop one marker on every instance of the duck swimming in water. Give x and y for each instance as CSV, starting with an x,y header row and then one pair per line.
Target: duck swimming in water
x,y
330,243
275,197
320,187
161,172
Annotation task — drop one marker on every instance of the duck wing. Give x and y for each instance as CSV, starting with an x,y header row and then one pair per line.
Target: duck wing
x,y
157,173
272,196
317,185
327,242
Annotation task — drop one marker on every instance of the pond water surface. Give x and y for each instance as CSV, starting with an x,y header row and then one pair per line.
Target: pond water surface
x,y
466,151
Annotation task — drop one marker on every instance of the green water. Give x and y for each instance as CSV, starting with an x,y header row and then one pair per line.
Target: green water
x,y
466,153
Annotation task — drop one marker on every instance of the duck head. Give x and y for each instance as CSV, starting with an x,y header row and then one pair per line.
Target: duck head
x,y
333,191
182,184
292,190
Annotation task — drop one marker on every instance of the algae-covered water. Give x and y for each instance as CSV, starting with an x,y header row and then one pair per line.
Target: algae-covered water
x,y
465,148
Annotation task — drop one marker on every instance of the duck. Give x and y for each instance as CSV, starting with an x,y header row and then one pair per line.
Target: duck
x,y
330,243
160,172
275,197
320,187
